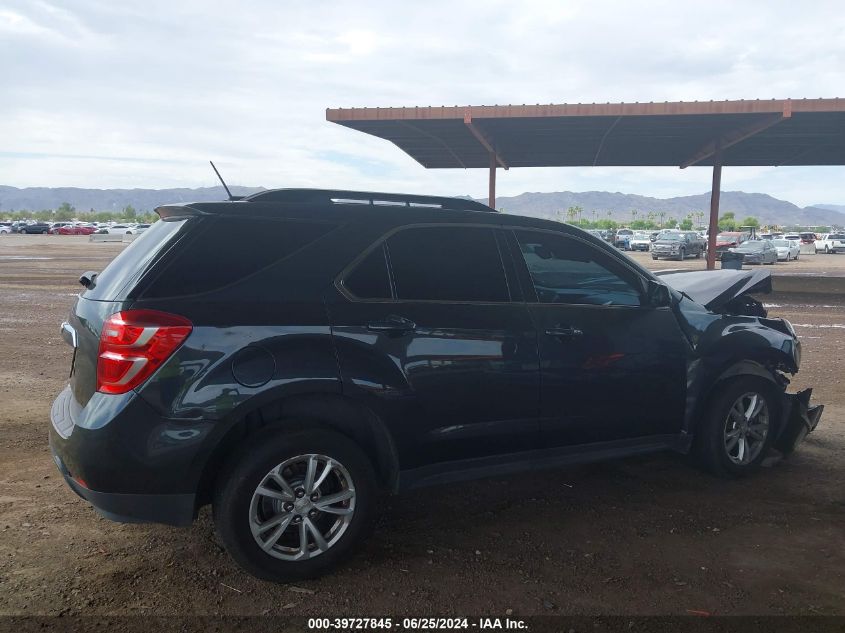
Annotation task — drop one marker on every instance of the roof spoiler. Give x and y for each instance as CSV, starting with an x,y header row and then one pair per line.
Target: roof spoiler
x,y
178,211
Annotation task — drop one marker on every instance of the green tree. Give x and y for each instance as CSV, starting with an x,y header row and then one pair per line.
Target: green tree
x,y
727,221
751,221
65,212
686,224
129,211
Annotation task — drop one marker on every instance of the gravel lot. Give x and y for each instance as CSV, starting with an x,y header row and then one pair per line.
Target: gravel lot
x,y
639,536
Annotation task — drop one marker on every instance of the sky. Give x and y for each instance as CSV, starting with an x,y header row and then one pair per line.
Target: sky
x,y
106,94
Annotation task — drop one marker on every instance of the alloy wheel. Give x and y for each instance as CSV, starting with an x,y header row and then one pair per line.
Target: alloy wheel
x,y
746,428
302,507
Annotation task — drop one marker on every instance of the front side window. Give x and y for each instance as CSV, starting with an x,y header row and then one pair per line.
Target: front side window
x,y
451,263
565,270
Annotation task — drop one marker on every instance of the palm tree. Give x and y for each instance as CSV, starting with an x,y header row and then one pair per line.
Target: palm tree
x,y
662,216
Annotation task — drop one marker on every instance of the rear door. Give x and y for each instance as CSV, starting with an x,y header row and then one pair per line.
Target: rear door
x,y
612,367
431,336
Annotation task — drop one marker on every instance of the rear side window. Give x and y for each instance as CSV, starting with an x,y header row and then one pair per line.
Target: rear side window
x,y
370,279
447,264
132,262
226,250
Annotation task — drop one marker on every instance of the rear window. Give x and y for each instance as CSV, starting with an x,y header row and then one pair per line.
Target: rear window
x,y
226,250
133,261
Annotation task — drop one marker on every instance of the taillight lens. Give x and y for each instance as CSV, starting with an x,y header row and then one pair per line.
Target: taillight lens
x,y
133,344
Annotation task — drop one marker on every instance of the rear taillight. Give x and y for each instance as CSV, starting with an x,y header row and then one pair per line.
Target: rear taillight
x,y
133,344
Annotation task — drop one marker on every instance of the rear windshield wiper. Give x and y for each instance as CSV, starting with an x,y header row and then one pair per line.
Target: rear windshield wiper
x,y
88,279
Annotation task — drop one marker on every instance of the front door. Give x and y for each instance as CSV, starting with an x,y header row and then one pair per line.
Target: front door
x,y
612,367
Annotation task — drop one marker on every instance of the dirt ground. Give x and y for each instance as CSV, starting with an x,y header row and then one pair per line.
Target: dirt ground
x,y
639,536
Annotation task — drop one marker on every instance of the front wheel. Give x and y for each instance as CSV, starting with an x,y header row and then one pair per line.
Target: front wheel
x,y
737,427
293,505
681,255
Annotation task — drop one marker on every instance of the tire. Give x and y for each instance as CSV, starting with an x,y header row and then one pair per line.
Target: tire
x,y
826,250
712,442
239,508
654,257
698,255
681,255
44,232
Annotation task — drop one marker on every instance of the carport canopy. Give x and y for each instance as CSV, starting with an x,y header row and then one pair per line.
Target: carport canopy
x,y
682,134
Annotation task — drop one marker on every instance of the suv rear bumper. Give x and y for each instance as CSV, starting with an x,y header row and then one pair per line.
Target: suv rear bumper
x,y
126,508
128,463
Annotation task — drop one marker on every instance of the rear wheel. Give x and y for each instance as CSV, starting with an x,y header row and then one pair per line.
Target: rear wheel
x,y
738,426
293,505
681,255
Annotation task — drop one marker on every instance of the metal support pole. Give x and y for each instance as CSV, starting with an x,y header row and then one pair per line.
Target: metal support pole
x,y
715,190
491,197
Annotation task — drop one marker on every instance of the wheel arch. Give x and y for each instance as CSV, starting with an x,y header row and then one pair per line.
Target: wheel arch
x,y
757,368
333,412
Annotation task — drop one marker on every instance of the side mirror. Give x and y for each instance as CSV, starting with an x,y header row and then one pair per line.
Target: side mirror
x,y
658,294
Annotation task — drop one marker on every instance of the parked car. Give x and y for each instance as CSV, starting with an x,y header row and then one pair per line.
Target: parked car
x,y
728,240
287,356
76,229
56,226
793,236
640,241
623,238
678,245
5,228
37,227
831,243
138,229
757,252
116,229
787,249
808,238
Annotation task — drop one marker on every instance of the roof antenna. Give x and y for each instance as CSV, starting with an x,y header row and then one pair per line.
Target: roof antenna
x,y
223,182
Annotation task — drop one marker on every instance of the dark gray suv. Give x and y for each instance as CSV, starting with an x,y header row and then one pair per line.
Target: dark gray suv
x,y
289,356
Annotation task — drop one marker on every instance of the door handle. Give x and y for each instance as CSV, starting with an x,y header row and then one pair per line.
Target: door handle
x,y
392,325
564,332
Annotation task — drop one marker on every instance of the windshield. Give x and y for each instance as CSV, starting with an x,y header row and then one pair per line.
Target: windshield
x,y
640,235
672,237
751,246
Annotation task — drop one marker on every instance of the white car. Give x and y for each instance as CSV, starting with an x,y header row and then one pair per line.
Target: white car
x,y
640,241
117,229
5,229
787,249
138,229
831,243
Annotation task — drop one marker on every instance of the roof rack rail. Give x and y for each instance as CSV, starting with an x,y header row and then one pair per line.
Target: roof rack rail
x,y
371,198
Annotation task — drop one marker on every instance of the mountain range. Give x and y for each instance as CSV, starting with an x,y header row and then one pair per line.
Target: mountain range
x,y
595,204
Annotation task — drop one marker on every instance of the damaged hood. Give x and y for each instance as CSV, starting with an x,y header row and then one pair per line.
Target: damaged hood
x,y
715,288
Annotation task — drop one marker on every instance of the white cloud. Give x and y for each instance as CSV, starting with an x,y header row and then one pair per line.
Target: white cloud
x,y
149,91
